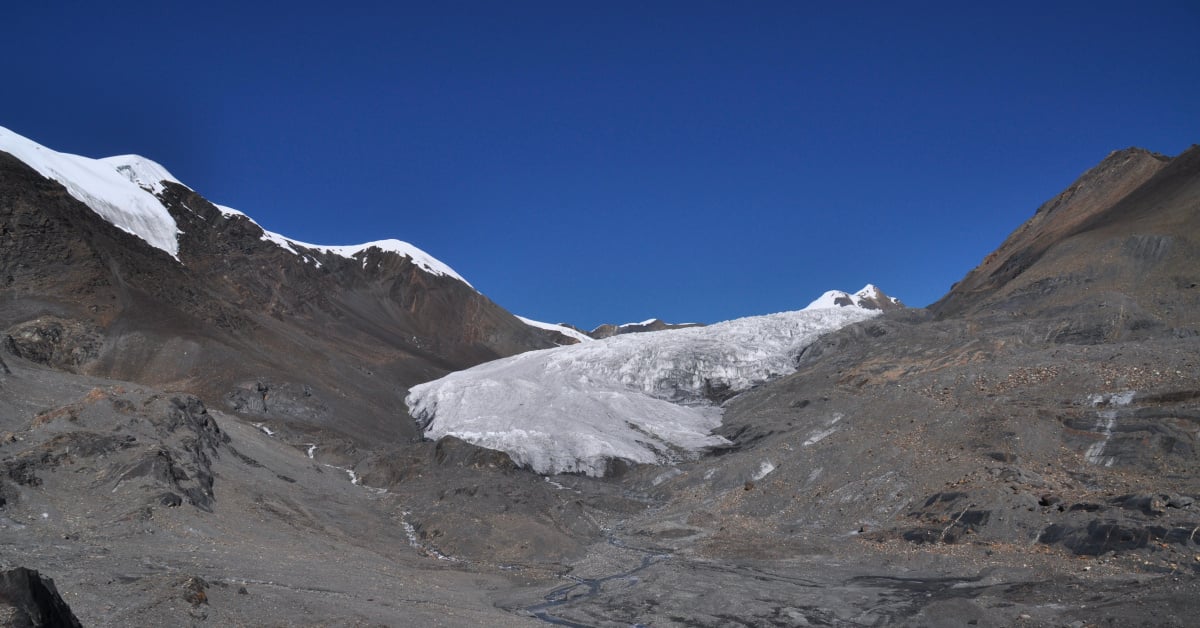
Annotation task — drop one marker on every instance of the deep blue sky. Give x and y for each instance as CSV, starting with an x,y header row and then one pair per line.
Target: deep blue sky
x,y
599,162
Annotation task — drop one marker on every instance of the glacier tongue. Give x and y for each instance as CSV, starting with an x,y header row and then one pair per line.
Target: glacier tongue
x,y
636,397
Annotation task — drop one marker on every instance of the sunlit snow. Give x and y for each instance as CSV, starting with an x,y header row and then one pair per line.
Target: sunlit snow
x,y
426,261
123,190
837,298
635,397
119,189
562,329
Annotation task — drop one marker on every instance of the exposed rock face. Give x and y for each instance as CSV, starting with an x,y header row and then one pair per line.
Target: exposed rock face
x,y
352,333
654,324
65,344
29,600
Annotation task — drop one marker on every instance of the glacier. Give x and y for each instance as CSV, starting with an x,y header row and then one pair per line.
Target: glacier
x,y
641,398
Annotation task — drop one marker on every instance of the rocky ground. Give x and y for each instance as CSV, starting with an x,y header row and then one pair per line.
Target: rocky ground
x,y
911,472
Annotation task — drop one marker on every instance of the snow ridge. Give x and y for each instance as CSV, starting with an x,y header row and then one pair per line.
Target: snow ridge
x,y
426,261
119,189
636,397
123,190
562,329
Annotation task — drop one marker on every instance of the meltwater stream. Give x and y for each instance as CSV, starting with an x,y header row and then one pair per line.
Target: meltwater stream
x,y
591,587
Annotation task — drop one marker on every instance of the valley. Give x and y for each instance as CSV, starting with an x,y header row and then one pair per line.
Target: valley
x,y
249,430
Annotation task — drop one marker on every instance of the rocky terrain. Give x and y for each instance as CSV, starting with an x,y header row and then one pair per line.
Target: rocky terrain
x,y
313,341
224,442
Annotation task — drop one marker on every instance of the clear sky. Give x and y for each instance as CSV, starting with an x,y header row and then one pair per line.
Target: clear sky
x,y
594,162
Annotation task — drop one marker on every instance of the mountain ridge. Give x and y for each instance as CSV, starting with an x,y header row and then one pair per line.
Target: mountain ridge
x,y
231,311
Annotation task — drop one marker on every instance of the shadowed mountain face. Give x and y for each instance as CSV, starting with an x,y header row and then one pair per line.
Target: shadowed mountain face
x,y
1123,241
313,338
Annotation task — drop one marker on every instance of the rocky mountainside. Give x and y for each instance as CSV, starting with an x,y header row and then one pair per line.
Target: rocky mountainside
x,y
1123,238
176,449
268,328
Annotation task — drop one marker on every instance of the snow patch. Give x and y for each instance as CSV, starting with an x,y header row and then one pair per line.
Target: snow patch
x,y
764,470
820,435
562,329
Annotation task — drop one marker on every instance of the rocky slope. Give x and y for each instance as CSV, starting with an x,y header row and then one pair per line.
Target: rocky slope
x,y
305,337
1123,238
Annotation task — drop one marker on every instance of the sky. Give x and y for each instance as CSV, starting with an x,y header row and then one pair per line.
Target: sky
x,y
608,162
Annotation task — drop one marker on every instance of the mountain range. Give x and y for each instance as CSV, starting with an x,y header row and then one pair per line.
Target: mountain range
x,y
206,423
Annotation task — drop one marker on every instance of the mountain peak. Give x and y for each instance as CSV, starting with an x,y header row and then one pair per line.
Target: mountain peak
x,y
115,188
1125,185
126,191
870,297
142,172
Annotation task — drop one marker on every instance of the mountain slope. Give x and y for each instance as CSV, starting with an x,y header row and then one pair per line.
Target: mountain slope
x,y
327,337
1123,238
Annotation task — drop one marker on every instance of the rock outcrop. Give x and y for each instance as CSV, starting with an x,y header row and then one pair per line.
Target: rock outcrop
x,y
30,600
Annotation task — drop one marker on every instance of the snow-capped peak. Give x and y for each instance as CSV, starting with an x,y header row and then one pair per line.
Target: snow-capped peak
x,y
123,190
115,188
144,173
869,298
869,291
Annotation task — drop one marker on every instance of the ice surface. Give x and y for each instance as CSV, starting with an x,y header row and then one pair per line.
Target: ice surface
x,y
636,397
562,329
120,189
